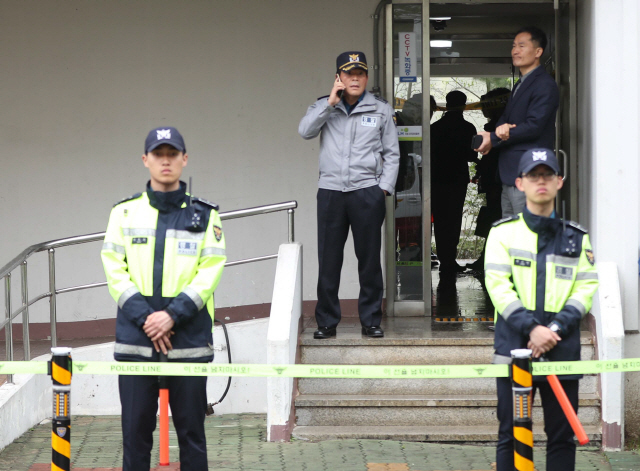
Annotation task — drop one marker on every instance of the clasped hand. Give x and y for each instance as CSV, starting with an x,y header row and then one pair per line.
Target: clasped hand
x,y
158,328
542,339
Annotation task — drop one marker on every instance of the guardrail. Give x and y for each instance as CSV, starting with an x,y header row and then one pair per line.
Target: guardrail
x,y
50,246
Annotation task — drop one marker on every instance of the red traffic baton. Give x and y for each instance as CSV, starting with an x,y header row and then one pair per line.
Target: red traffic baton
x,y
571,415
164,418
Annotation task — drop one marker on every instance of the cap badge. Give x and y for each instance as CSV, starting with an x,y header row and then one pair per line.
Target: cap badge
x,y
163,134
542,155
354,58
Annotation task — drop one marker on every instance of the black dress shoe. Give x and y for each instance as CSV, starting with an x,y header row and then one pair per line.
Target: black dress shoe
x,y
324,332
375,331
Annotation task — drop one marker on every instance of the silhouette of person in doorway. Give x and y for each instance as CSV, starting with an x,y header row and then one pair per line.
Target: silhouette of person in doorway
x,y
450,154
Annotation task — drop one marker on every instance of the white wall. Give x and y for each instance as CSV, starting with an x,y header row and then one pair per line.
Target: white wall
x,y
83,82
608,140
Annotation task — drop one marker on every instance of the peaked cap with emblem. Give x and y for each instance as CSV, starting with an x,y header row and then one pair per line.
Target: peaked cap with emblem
x,y
165,135
351,60
534,157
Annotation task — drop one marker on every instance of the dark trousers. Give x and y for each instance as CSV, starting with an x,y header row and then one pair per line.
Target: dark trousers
x,y
188,401
362,210
447,207
561,447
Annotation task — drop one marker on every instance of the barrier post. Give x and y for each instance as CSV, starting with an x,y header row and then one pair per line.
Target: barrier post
x,y
60,371
522,386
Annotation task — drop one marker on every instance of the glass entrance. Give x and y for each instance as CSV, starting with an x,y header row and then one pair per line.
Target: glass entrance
x,y
469,50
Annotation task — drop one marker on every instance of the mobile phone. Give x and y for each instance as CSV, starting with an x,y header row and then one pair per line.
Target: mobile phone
x,y
476,141
339,92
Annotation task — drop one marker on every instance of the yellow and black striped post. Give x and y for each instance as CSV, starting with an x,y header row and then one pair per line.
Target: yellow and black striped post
x,y
521,384
60,370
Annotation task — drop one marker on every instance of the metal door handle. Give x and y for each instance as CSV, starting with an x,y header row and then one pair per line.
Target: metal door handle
x,y
565,164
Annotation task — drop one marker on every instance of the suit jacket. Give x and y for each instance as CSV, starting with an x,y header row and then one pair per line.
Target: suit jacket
x,y
533,111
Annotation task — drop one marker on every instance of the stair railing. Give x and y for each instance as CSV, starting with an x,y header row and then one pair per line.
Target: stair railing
x,y
52,245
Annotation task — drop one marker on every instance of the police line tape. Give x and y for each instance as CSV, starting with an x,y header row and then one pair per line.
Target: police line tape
x,y
322,371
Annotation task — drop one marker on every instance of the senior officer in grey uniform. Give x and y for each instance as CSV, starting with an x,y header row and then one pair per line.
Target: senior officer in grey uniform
x,y
359,157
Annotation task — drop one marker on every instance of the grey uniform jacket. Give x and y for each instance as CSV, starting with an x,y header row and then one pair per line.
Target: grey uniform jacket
x,y
357,150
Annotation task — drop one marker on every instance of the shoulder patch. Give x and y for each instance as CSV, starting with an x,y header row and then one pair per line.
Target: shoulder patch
x,y
206,203
503,220
577,226
321,97
124,200
379,98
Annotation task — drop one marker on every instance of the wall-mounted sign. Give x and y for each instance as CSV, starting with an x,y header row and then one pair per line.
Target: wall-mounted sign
x,y
409,133
407,57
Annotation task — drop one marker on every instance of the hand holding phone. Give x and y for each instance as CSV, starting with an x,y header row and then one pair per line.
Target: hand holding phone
x,y
476,141
336,91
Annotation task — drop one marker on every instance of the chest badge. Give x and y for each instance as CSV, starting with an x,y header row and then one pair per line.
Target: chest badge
x,y
369,121
139,240
187,248
521,263
564,273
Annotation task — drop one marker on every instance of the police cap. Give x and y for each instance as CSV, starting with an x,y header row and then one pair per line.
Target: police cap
x,y
164,135
351,60
534,157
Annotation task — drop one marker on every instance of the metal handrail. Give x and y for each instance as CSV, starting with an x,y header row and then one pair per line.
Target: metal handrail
x,y
50,246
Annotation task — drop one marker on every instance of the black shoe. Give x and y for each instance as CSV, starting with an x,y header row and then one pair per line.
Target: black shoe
x,y
375,331
324,332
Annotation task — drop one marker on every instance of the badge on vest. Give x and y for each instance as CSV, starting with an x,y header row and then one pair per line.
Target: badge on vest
x,y
139,240
187,248
369,121
522,263
564,273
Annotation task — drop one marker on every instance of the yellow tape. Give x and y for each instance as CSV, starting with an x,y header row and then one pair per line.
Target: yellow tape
x,y
61,375
60,445
523,435
522,377
521,463
322,371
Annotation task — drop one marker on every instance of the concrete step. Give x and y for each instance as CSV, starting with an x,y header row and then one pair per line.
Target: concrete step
x,y
432,410
408,351
466,434
451,387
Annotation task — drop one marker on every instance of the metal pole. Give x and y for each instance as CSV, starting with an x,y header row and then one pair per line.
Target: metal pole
x,y
52,298
25,314
522,386
8,328
61,423
291,225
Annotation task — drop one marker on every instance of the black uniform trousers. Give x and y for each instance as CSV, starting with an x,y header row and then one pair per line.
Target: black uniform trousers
x,y
139,400
363,210
447,202
561,447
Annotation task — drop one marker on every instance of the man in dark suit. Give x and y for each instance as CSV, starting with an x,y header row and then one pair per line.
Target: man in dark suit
x,y
529,118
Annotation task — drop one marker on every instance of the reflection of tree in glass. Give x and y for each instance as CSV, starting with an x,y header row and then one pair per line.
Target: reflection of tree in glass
x,y
470,246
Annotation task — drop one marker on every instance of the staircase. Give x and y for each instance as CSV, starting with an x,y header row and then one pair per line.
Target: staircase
x,y
431,410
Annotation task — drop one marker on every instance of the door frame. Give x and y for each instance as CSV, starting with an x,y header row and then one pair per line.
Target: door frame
x,y
394,307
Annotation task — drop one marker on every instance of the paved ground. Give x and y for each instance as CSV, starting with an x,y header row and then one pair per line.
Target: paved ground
x,y
237,442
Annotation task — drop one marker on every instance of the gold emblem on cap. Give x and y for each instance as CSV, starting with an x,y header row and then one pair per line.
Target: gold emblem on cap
x,y
354,58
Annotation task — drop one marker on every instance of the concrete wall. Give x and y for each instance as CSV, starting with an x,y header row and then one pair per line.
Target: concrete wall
x,y
83,82
609,112
27,401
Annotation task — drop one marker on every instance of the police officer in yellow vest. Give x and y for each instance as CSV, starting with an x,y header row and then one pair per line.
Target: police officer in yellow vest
x,y
540,273
163,254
